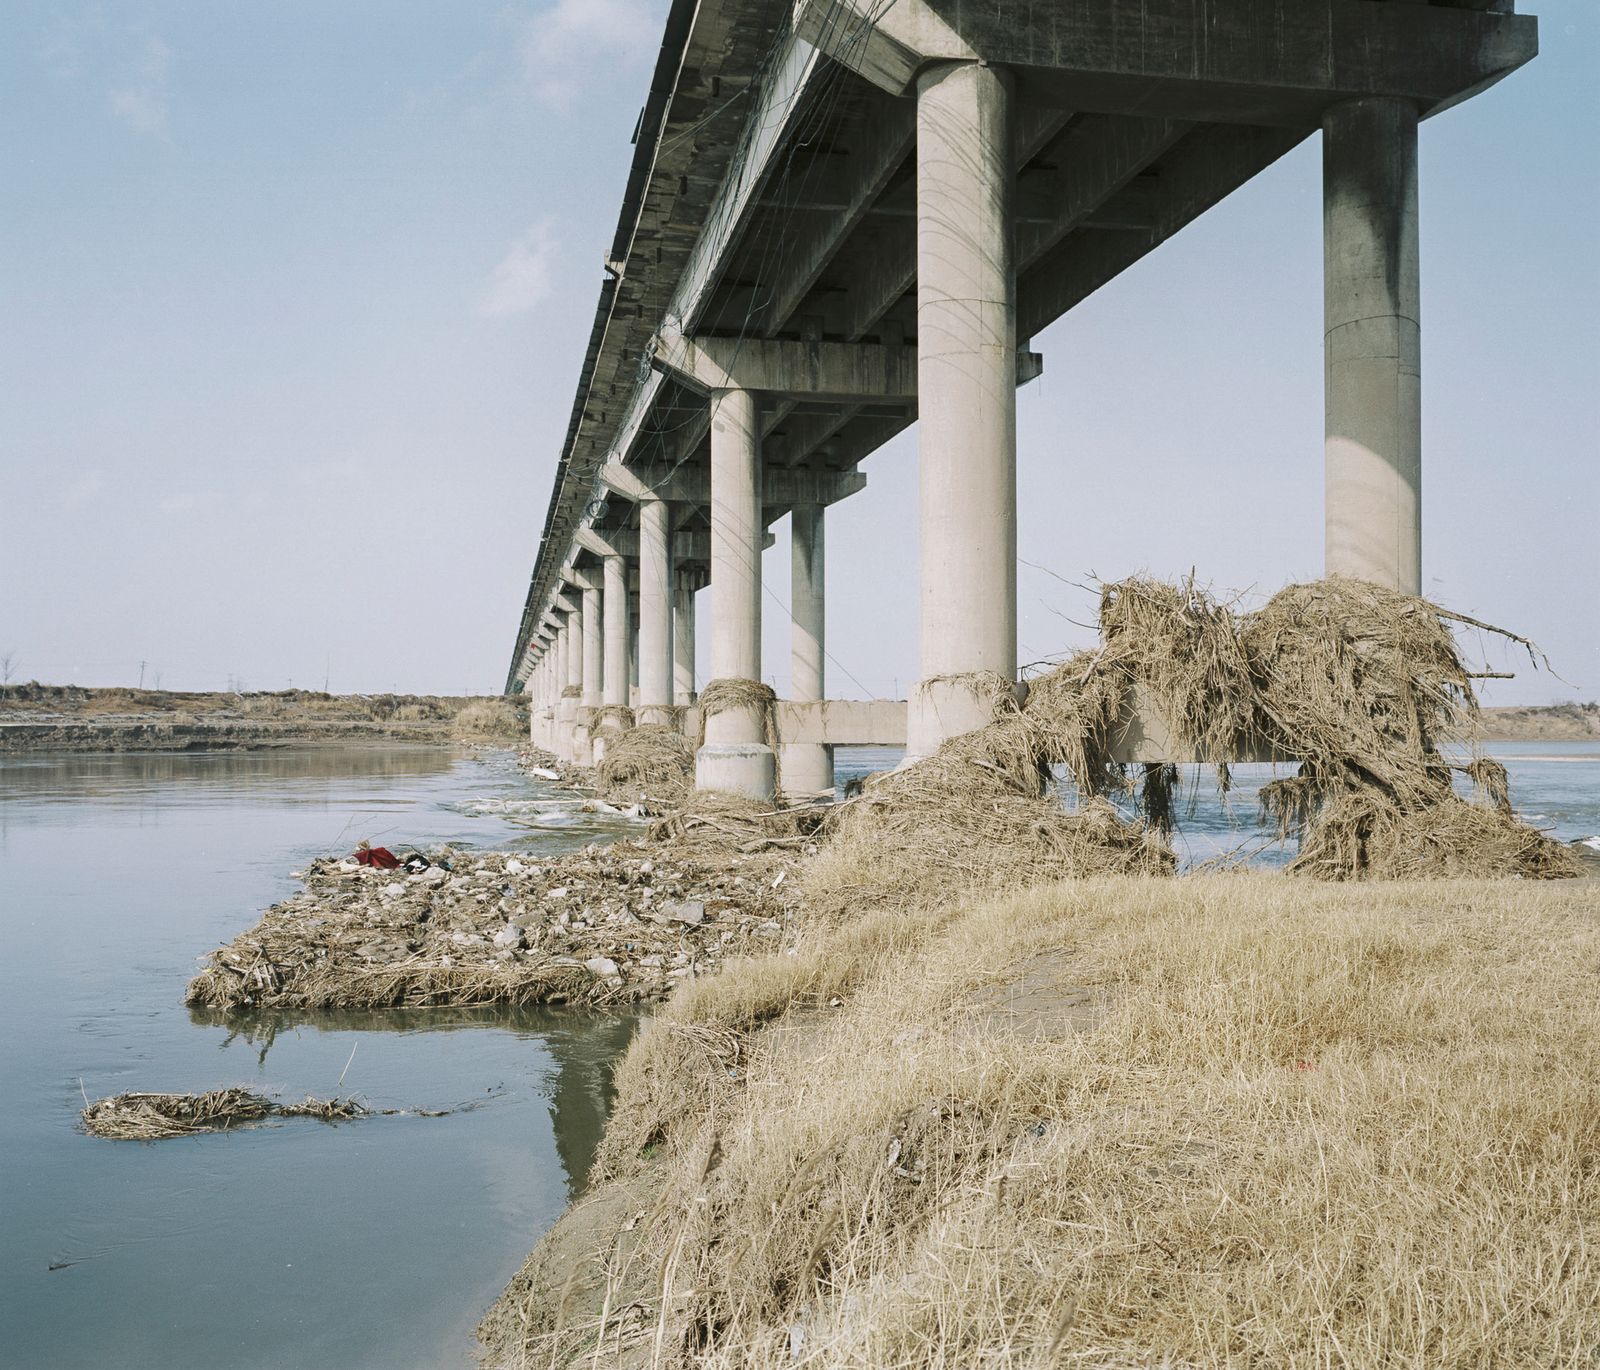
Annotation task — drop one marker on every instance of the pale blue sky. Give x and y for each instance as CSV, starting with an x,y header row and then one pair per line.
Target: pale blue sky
x,y
294,298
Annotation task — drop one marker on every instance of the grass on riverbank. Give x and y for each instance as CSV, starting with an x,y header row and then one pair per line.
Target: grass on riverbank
x,y
288,712
1236,1120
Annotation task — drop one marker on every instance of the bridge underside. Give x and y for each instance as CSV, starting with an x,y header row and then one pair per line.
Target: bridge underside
x,y
852,216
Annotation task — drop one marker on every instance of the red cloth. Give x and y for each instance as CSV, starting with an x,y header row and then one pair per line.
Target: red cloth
x,y
381,857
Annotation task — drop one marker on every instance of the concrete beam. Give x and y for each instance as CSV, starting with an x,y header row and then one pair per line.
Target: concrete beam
x,y
780,487
890,134
689,545
1245,61
834,370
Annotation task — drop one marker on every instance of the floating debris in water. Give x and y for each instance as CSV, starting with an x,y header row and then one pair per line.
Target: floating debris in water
x,y
152,1117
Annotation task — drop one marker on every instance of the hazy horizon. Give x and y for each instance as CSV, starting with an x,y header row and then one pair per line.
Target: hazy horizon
x,y
295,300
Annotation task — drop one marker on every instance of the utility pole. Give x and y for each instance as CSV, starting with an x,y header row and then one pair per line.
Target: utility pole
x,y
141,675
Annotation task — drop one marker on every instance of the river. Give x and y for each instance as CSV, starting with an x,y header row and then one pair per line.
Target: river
x,y
376,1243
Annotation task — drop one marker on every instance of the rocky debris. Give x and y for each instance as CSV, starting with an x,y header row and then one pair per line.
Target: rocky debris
x,y
608,924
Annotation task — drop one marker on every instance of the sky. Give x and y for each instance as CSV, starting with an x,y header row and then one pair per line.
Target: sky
x,y
294,297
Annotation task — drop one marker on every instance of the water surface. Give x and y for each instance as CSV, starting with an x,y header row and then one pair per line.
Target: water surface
x,y
372,1244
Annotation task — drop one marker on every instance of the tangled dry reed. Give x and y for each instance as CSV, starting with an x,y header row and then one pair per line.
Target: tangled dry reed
x,y
1363,687
652,763
151,1117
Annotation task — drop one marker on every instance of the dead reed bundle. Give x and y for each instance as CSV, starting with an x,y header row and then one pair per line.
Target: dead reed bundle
x,y
652,760
148,1117
980,813
324,1110
616,717
735,692
1183,646
1366,686
1364,683
152,1117
713,820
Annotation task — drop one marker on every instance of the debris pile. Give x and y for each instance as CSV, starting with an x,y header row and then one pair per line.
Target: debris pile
x,y
1363,687
151,1117
604,925
651,765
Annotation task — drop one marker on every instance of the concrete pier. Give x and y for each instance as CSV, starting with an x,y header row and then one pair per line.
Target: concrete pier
x,y
967,384
736,758
614,688
655,612
592,666
806,768
1373,508
683,632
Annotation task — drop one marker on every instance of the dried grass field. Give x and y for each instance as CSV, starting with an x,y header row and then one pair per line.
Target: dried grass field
x,y
1224,1121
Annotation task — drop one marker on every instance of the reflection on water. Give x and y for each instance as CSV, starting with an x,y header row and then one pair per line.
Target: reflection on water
x,y
582,1047
376,1243
74,776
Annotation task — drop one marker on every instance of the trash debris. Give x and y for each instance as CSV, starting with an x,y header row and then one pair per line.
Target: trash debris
x,y
356,937
379,857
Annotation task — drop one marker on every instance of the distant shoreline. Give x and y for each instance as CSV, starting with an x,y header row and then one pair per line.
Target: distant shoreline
x,y
1543,723
57,718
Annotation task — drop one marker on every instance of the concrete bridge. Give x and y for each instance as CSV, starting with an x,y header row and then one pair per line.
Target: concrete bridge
x,y
847,215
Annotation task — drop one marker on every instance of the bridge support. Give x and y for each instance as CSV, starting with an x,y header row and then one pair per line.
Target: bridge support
x,y
614,689
735,757
655,612
967,384
806,768
683,625
1373,498
569,660
590,654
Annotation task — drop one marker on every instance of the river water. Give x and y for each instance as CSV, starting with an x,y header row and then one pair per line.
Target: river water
x,y
376,1243
371,1244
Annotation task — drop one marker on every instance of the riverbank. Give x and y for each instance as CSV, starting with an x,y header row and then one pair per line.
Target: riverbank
x,y
1223,1120
1548,723
55,718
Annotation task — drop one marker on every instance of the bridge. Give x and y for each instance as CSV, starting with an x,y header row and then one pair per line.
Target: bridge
x,y
846,216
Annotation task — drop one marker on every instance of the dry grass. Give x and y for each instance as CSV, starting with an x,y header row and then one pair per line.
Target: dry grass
x,y
652,763
1227,1121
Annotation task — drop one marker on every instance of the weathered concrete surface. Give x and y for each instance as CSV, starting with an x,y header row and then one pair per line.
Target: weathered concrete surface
x,y
967,359
1373,311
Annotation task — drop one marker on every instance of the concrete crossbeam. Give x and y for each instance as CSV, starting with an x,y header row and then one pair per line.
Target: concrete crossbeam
x,y
781,488
1246,61
833,370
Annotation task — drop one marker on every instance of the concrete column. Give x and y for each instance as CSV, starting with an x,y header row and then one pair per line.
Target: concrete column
x,y
655,612
683,611
633,652
1372,307
967,388
615,613
571,679
591,665
736,758
807,767
593,650
615,687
